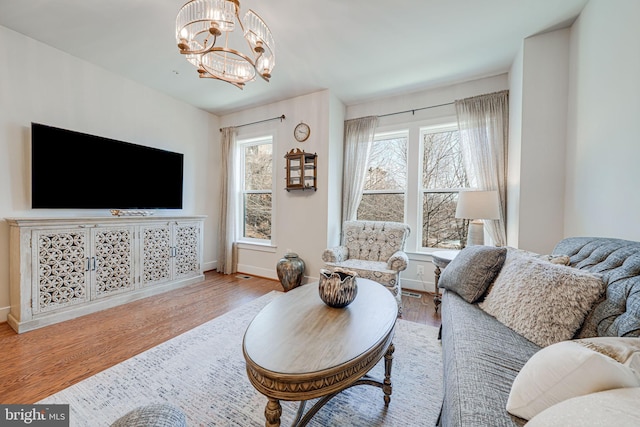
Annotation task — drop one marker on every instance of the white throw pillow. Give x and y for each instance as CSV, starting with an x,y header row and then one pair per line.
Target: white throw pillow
x,y
619,407
568,369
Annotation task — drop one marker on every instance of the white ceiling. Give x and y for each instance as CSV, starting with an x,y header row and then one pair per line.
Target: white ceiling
x,y
359,49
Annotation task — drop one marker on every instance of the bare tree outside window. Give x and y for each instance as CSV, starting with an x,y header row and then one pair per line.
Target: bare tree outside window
x,y
257,188
383,198
443,176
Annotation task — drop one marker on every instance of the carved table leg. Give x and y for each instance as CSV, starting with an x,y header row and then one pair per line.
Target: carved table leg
x,y
387,388
437,299
272,413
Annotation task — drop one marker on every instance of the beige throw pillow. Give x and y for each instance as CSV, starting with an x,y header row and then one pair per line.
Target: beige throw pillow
x,y
617,407
554,259
625,350
573,368
544,302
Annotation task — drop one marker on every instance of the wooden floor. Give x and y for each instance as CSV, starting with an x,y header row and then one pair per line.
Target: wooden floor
x,y
39,363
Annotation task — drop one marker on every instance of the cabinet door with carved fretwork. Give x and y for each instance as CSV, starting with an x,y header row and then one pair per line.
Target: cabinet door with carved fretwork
x,y
112,261
155,254
60,268
187,252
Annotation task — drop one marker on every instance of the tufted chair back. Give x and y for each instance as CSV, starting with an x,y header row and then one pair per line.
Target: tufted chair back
x,y
374,240
618,313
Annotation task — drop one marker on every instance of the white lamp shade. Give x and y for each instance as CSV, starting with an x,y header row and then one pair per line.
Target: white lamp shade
x,y
478,205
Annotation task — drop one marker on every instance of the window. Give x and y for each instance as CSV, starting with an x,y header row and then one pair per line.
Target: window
x,y
256,161
442,177
383,198
414,175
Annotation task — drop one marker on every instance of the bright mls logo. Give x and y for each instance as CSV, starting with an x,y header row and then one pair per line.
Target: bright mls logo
x,y
34,415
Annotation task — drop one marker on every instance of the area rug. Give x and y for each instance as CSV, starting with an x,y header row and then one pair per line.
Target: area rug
x,y
203,372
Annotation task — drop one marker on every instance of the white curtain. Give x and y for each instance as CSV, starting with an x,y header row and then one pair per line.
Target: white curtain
x,y
358,137
484,128
227,229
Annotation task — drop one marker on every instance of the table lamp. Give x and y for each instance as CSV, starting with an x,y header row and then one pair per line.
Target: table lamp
x,y
476,206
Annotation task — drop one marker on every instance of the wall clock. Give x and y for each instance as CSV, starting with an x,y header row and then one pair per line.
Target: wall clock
x,y
302,132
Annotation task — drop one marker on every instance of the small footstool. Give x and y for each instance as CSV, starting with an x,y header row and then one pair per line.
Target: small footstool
x,y
156,415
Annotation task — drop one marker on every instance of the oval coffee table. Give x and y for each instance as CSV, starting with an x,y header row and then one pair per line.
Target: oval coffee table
x,y
298,348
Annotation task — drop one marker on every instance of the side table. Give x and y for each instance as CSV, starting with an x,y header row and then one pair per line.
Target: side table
x,y
441,259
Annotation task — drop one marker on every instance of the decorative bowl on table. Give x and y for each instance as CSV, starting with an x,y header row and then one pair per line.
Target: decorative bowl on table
x,y
338,287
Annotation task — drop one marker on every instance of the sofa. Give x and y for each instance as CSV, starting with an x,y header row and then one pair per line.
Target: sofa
x,y
496,366
374,250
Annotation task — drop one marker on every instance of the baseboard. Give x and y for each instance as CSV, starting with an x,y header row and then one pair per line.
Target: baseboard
x,y
268,273
208,266
4,313
418,285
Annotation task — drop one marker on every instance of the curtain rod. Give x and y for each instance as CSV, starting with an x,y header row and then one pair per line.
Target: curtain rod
x,y
282,117
413,111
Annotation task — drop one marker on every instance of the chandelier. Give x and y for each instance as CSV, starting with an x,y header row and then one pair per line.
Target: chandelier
x,y
205,31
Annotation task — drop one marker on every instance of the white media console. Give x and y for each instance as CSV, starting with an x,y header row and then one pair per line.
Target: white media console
x,y
63,268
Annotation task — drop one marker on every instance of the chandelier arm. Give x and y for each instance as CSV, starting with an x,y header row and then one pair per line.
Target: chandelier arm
x,y
251,49
203,50
258,72
252,62
239,85
230,50
206,41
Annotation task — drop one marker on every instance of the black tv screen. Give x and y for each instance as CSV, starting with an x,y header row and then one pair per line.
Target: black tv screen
x,y
73,170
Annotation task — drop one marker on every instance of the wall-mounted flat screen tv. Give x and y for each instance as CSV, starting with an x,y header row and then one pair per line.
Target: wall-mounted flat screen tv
x,y
73,170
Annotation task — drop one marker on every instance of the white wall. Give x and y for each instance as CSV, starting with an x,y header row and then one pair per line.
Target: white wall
x,y
334,172
514,152
44,85
537,133
302,218
603,140
575,104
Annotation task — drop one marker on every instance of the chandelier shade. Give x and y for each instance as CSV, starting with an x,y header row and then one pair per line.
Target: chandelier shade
x,y
202,24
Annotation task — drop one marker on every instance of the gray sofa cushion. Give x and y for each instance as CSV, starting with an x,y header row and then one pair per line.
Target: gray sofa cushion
x,y
471,272
481,358
618,261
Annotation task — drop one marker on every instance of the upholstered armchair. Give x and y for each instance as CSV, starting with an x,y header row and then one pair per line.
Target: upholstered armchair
x,y
374,250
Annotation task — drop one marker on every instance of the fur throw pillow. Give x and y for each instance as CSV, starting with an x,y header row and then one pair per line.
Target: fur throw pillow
x,y
544,302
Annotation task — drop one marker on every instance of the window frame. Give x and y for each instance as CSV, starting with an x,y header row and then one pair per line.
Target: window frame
x,y
394,134
241,144
444,126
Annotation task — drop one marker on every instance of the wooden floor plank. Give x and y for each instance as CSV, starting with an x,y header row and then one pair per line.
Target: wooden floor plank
x,y
39,363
